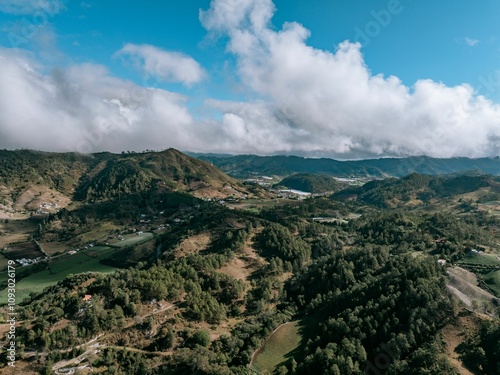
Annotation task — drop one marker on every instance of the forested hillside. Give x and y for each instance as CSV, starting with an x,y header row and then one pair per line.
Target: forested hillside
x,y
417,188
168,280
28,178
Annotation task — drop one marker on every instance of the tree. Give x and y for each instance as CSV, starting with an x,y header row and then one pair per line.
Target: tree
x,y
201,338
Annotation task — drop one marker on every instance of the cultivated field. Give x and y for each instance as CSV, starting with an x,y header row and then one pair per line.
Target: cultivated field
x,y
464,285
28,250
134,239
84,261
54,247
492,279
3,262
15,231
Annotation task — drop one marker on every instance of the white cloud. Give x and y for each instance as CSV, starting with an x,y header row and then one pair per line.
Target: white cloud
x,y
330,102
163,65
471,42
83,108
39,7
311,101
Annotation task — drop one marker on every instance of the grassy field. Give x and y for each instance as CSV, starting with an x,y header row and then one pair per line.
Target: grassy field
x,y
3,262
481,259
257,205
100,233
134,239
274,351
52,248
493,280
85,261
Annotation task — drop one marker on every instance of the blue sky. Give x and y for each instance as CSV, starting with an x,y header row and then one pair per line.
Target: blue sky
x,y
224,81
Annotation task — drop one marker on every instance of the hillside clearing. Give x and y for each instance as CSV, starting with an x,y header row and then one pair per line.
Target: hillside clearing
x,y
193,244
273,352
464,286
246,262
453,334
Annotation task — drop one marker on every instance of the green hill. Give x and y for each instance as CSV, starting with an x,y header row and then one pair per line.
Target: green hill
x,y
169,169
311,183
28,178
415,188
59,171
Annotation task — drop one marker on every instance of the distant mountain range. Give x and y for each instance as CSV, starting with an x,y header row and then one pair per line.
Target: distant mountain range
x,y
248,165
30,178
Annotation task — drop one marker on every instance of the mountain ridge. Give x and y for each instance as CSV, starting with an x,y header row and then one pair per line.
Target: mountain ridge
x,y
30,178
245,165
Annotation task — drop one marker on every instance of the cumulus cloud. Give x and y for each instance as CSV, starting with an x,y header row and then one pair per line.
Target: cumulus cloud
x,y
331,103
85,109
163,65
38,7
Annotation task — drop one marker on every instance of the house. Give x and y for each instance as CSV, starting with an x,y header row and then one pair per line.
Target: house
x,y
87,298
442,262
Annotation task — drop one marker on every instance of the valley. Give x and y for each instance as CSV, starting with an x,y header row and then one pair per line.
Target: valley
x,y
157,263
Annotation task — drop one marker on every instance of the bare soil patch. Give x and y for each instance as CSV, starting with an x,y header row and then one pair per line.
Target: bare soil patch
x,y
28,250
464,286
193,244
454,334
15,231
247,261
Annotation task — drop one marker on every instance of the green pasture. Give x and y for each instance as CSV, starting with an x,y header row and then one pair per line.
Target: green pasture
x,y
84,261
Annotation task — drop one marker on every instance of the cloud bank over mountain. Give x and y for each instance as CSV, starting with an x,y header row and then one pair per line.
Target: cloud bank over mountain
x,y
310,101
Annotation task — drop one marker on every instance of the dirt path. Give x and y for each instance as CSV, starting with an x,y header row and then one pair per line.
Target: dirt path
x,y
93,346
453,335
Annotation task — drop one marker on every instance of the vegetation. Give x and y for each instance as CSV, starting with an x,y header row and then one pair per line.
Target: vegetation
x,y
311,183
387,193
361,292
481,351
277,348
